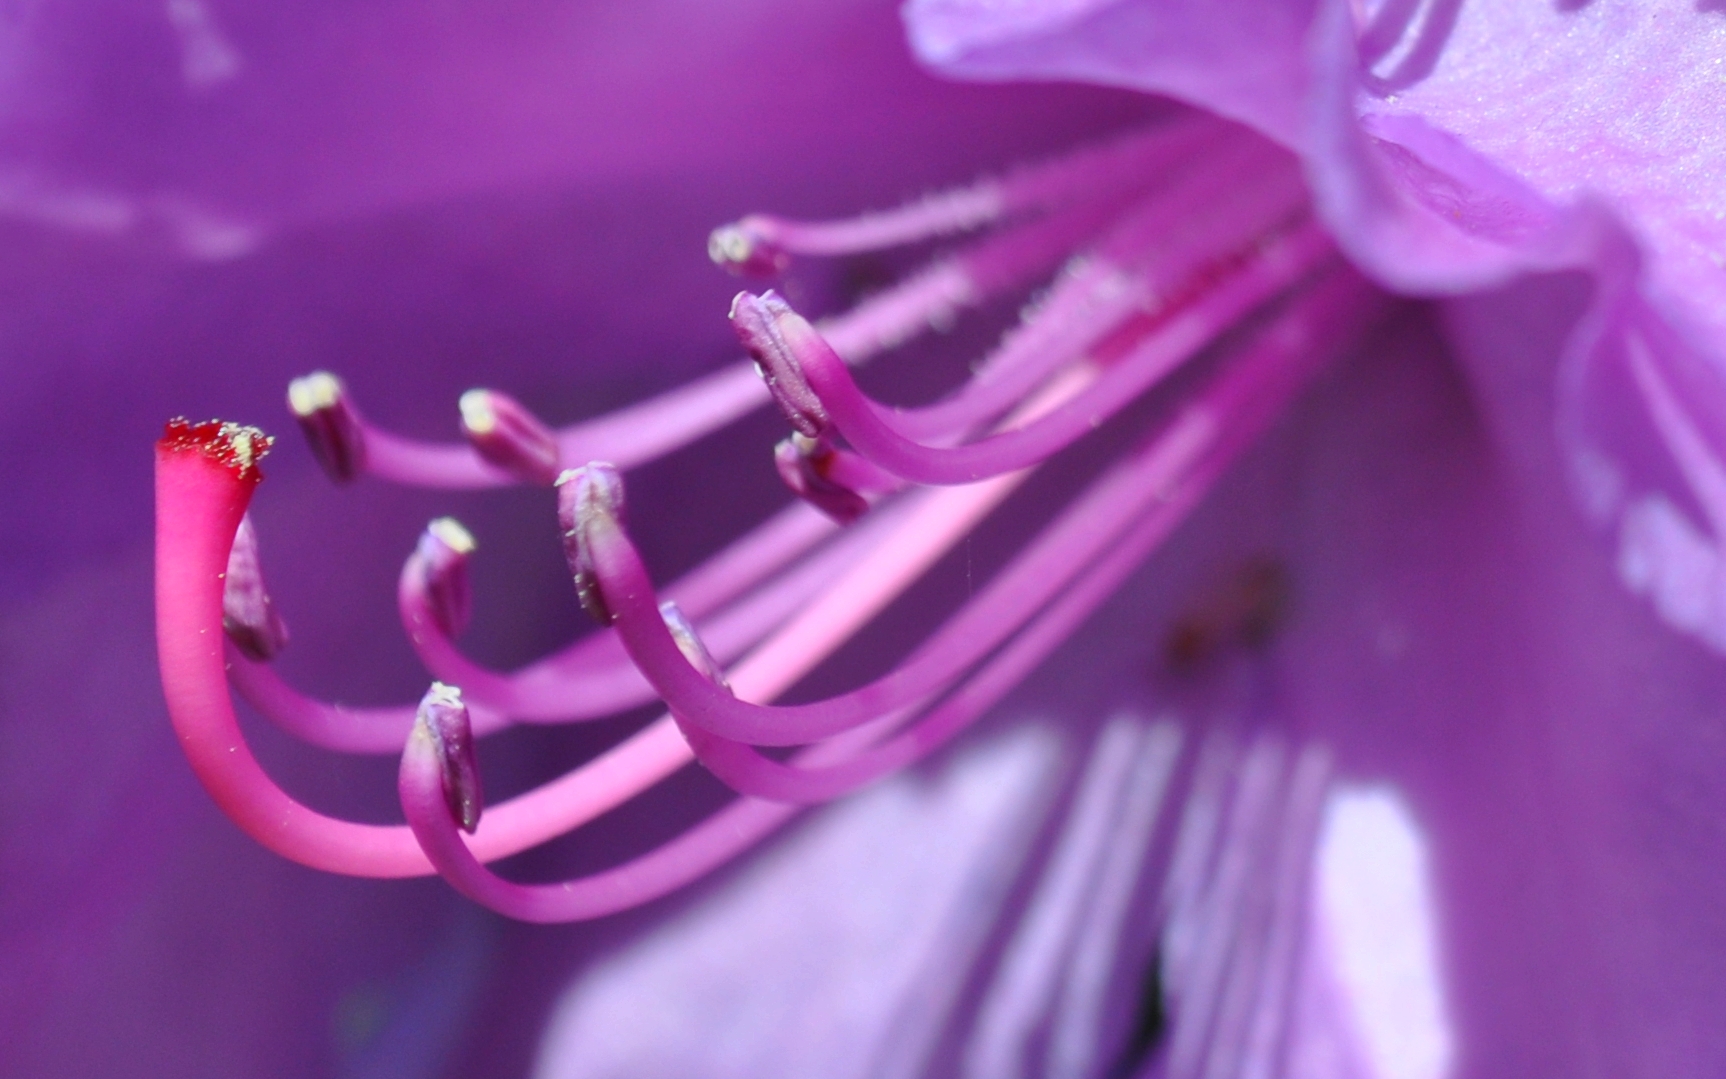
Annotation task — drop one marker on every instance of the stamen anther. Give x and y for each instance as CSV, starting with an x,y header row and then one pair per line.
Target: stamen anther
x,y
332,426
505,433
441,558
249,618
758,323
587,496
443,718
817,472
743,248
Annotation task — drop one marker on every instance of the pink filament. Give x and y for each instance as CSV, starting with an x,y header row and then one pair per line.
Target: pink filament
x,y
643,432
698,851
941,519
539,692
870,430
1224,421
327,725
662,870
1175,266
1126,163
1013,595
594,677
199,502
1152,259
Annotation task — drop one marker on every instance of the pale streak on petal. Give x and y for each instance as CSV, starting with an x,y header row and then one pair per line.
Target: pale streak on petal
x,y
869,918
1197,971
1701,467
1022,991
1075,1037
1265,1035
207,57
1663,556
1375,938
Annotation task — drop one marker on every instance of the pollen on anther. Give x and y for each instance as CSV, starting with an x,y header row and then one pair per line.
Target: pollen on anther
x,y
453,534
310,394
477,414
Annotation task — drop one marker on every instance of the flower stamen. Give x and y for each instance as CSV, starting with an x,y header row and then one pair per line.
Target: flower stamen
x,y
762,244
205,475
249,617
443,718
1179,242
333,428
835,481
645,431
507,435
828,390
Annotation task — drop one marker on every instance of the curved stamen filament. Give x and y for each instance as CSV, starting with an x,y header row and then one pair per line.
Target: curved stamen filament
x,y
763,243
1167,247
871,432
663,870
1250,396
200,497
939,520
645,431
1016,592
595,678
696,852
1240,404
339,727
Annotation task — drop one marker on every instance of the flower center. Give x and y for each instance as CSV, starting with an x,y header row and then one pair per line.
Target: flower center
x,y
1191,239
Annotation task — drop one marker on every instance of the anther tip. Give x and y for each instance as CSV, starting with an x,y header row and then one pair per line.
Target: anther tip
x,y
586,497
310,393
452,534
478,417
743,248
594,487
320,402
441,559
504,432
443,716
760,323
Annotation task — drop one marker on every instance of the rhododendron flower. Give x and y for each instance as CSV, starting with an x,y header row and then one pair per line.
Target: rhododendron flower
x,y
1369,676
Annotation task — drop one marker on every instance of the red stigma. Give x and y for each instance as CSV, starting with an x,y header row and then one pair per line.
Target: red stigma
x,y
234,446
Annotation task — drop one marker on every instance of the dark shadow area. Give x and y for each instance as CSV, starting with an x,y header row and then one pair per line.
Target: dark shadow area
x,y
1150,1022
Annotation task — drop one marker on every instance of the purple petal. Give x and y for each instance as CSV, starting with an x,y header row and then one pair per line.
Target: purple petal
x,y
1194,50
